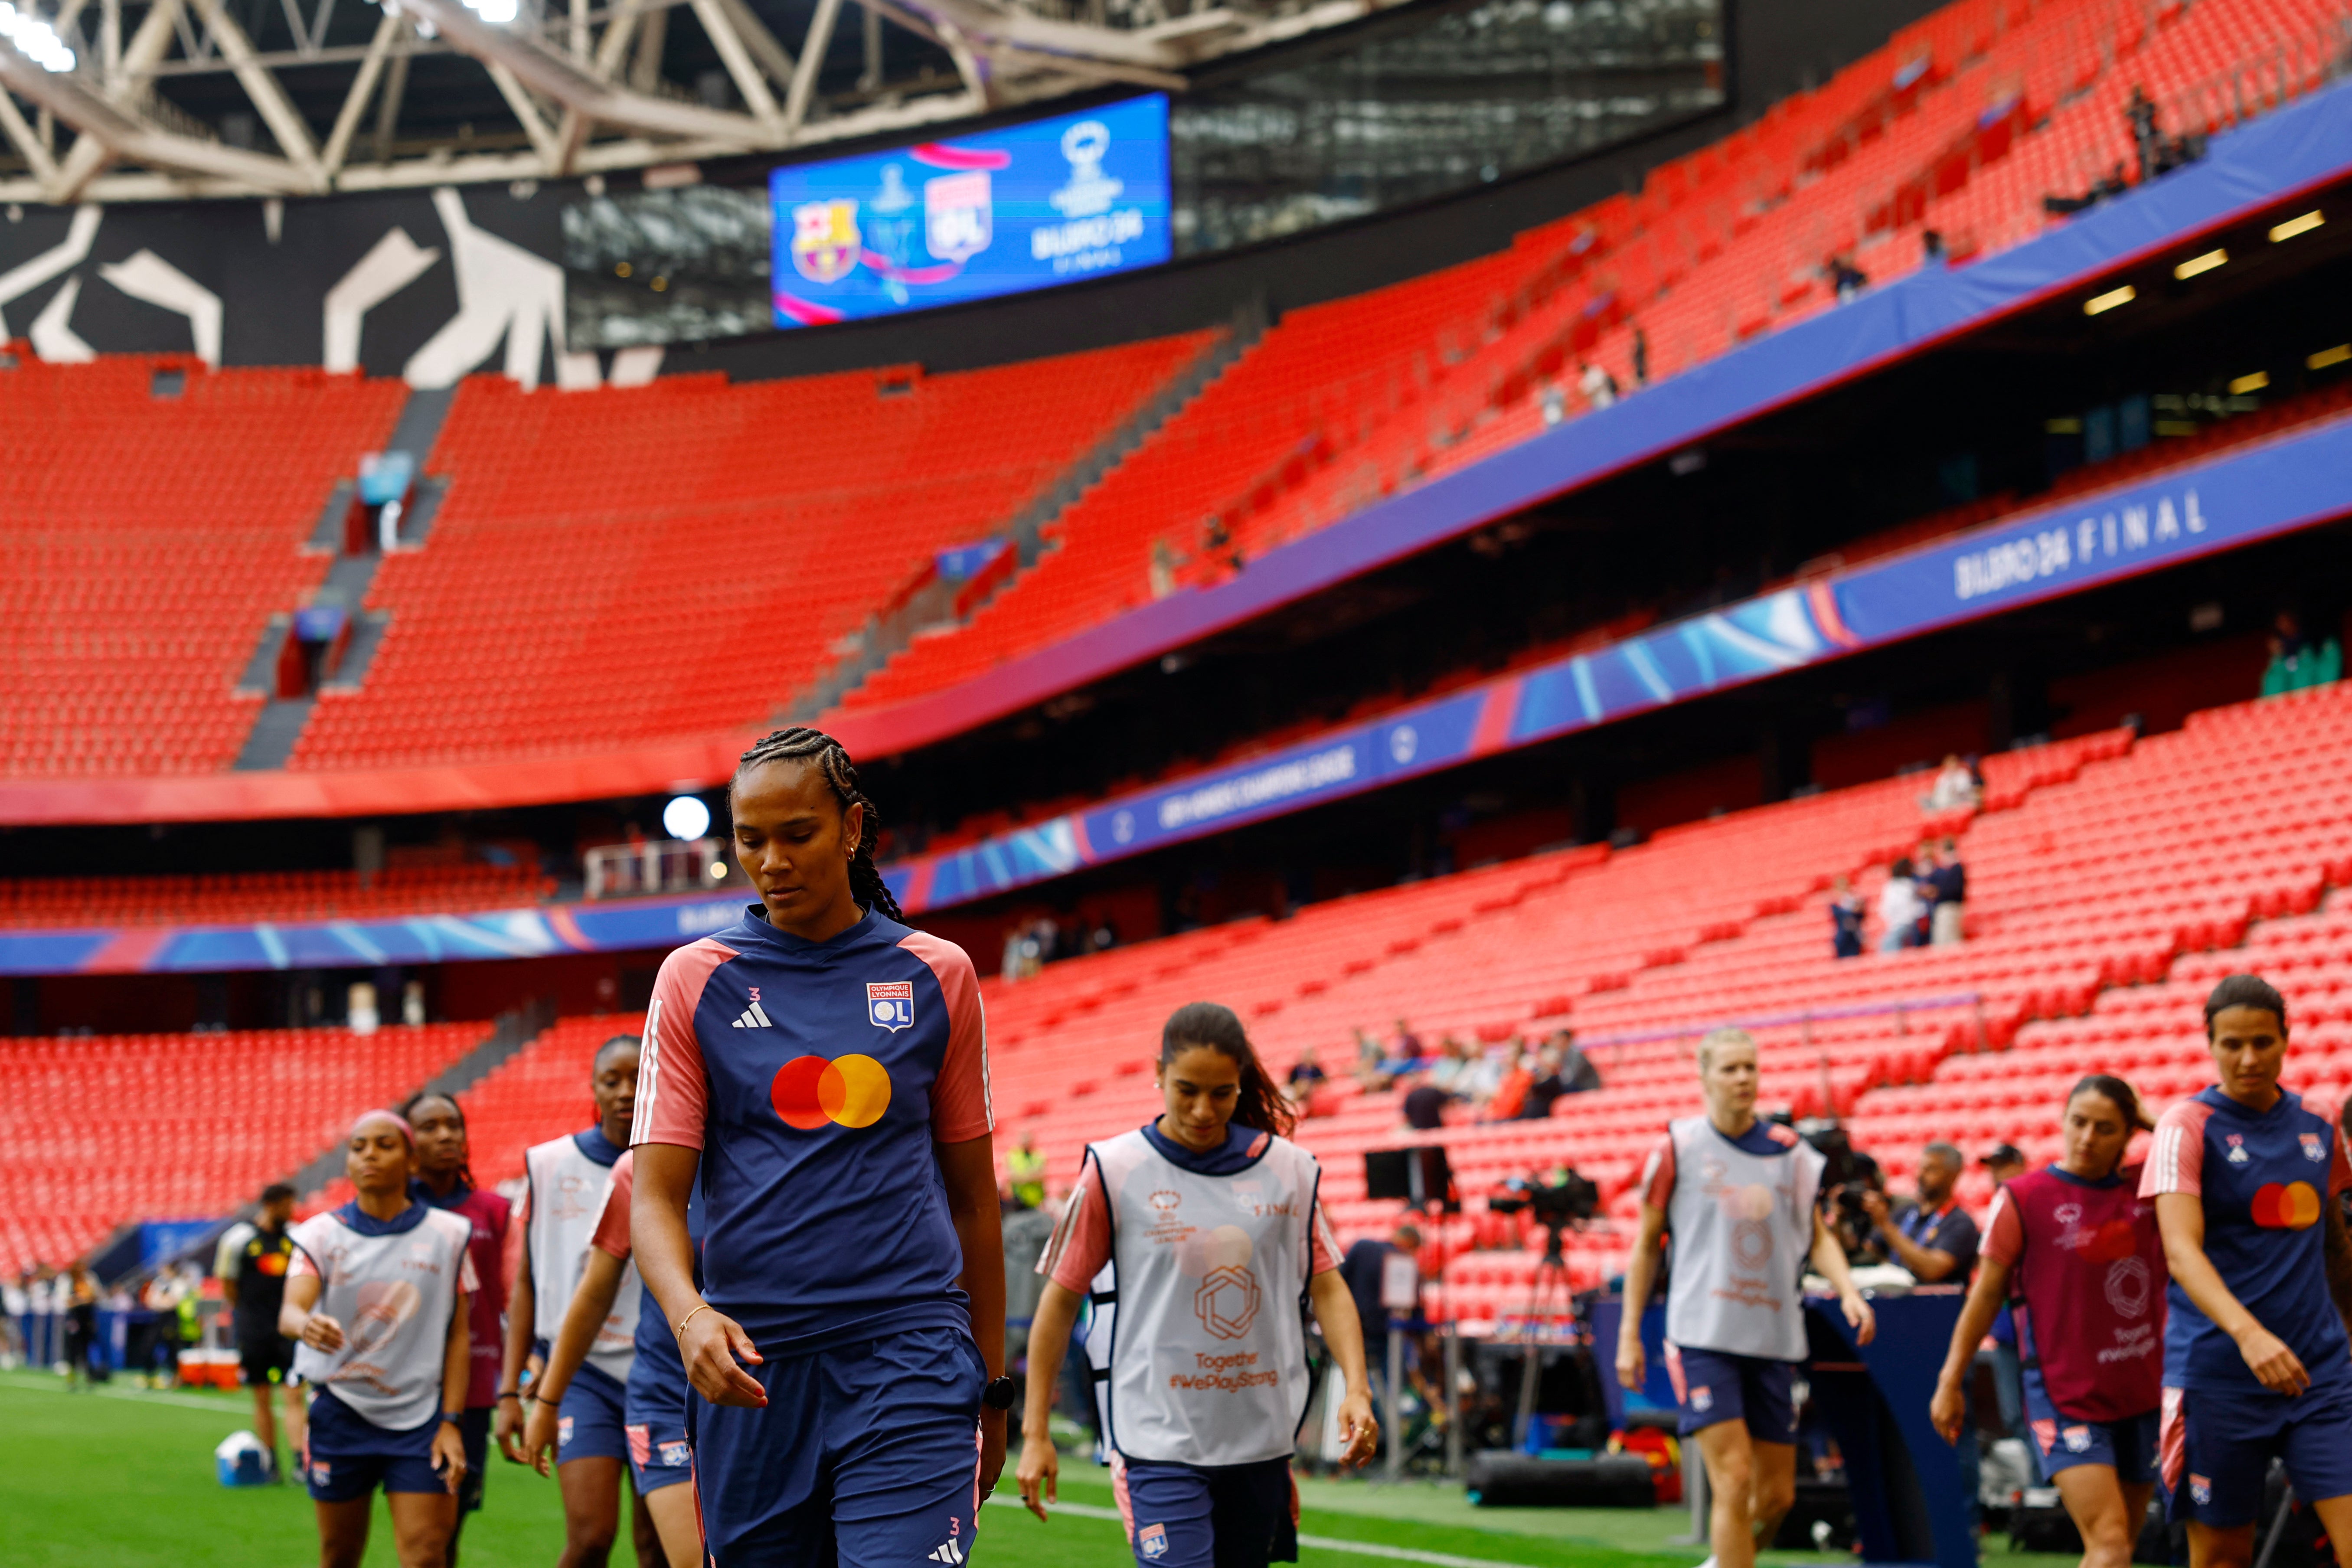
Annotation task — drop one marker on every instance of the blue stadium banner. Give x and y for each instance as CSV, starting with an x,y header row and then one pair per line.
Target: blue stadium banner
x,y
997,212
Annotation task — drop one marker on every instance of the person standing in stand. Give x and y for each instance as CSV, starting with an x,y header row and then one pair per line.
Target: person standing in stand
x,y
445,1180
1738,1196
2078,1247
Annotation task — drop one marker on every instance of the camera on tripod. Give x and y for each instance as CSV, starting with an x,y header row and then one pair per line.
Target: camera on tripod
x,y
1565,1200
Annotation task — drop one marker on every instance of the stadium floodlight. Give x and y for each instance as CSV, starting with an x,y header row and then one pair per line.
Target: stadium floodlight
x,y
2296,225
2098,304
496,12
2205,263
686,816
34,39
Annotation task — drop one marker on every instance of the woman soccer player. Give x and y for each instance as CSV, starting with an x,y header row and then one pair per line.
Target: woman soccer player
x,y
445,1180
377,1295
2080,1246
2247,1184
1209,1218
824,1071
660,1458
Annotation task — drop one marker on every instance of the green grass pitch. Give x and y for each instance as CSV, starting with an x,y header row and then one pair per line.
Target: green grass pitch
x,y
124,1479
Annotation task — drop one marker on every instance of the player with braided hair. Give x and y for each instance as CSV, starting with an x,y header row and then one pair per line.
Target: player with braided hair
x,y
822,1071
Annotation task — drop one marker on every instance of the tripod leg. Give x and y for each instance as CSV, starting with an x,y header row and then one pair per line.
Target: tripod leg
x,y
2278,1526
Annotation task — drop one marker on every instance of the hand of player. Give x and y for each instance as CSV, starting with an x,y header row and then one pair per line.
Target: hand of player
x,y
449,1456
506,1429
1875,1206
2275,1366
321,1332
1039,1471
1359,1428
538,1435
1945,1410
1859,1317
716,1349
991,1450
1631,1370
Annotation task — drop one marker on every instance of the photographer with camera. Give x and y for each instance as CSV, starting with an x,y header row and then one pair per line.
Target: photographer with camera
x,y
1739,1195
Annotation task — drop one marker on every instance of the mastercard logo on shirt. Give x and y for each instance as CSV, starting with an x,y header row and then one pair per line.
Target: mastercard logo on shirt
x,y
2294,1205
850,1091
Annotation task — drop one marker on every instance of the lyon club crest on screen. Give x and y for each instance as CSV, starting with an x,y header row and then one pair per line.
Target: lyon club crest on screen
x,y
891,1003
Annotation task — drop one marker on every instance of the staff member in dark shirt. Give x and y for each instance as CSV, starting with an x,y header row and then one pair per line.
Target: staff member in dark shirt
x,y
1938,1242
255,1293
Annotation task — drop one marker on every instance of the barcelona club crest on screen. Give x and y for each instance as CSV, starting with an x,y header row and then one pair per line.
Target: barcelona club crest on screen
x,y
825,245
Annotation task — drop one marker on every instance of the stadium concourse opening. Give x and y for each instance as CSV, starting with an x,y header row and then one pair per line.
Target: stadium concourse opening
x,y
1801,805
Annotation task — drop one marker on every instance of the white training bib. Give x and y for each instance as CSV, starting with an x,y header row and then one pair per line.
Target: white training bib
x,y
1208,1343
393,1296
1742,1225
567,1195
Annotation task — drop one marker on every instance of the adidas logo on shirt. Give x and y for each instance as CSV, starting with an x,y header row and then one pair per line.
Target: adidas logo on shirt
x,y
754,1018
948,1552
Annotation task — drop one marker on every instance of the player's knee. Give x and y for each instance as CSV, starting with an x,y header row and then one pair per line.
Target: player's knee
x,y
1733,1477
1775,1496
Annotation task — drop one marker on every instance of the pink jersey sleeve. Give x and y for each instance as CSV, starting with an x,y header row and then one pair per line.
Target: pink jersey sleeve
x,y
2175,1164
1323,1247
612,1233
1080,1244
467,1280
2004,1233
673,1092
960,1104
1658,1175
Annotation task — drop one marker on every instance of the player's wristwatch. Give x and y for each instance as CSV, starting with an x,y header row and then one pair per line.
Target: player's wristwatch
x,y
998,1394
456,1418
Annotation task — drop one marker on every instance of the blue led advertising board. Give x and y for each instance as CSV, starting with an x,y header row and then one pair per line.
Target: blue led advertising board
x,y
997,212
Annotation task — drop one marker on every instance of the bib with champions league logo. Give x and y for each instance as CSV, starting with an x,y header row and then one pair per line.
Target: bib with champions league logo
x,y
1208,1354
1742,1225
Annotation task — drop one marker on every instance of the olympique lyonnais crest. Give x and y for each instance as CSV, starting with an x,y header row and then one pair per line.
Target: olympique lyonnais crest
x,y
957,217
891,1003
825,242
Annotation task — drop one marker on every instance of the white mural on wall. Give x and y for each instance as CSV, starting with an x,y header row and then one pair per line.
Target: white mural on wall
x,y
52,339
147,276
33,271
391,264
503,292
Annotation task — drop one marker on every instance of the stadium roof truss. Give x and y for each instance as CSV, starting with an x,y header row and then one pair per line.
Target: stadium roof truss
x,y
163,100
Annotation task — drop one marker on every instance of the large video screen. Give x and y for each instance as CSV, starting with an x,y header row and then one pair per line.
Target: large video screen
x,y
997,212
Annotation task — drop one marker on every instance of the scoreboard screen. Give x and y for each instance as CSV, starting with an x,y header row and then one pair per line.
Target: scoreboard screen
x,y
998,212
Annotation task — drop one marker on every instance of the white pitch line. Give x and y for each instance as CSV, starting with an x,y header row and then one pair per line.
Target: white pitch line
x,y
138,1395
1320,1542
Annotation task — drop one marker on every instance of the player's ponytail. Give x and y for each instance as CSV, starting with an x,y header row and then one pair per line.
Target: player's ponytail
x,y
1213,1026
801,743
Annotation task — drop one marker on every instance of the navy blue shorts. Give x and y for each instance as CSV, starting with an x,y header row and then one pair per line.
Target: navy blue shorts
x,y
346,1457
2126,1447
1715,1386
2217,1448
659,1455
589,1424
867,1455
1205,1516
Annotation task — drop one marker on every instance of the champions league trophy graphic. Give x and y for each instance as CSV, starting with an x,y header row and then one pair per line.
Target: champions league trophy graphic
x,y
894,231
1089,192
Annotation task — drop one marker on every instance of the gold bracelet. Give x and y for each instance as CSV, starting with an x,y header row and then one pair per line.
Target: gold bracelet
x,y
680,1330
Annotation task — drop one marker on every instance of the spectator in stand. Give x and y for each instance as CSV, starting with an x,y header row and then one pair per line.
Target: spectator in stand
x,y
1845,919
1546,1087
1405,1047
1102,936
1025,1169
1424,1104
2296,664
1599,387
1306,1076
1452,1066
1899,908
1949,883
1576,1069
1641,357
1371,1075
1485,1077
1511,1093
1845,278
1956,787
